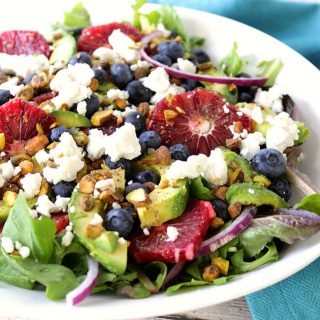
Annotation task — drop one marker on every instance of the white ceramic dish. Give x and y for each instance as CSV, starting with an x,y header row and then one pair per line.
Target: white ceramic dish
x,y
302,80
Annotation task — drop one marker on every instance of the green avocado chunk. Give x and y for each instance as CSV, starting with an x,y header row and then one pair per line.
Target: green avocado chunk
x,y
63,50
161,205
251,193
105,248
71,119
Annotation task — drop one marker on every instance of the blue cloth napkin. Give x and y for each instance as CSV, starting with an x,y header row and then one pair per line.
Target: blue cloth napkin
x,y
297,25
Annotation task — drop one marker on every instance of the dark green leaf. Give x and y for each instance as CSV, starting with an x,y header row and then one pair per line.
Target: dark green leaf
x,y
136,292
57,279
195,268
231,246
191,283
171,20
196,42
304,133
232,64
310,203
37,234
136,14
142,277
240,265
270,70
78,17
160,269
198,189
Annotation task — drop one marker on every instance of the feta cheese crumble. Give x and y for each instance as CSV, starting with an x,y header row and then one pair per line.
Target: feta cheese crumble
x,y
114,94
282,133
140,64
255,113
23,65
123,45
62,203
95,146
67,238
71,84
106,55
44,206
107,184
123,143
7,170
97,219
24,252
12,86
7,244
271,99
172,234
157,80
31,184
82,108
251,145
186,65
41,156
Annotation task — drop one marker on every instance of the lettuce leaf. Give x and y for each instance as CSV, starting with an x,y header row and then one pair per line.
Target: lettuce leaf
x,y
288,225
239,265
37,234
144,21
232,64
77,17
310,203
270,70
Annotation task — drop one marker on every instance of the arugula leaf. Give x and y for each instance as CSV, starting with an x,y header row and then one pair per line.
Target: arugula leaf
x,y
12,276
198,190
159,269
232,64
240,265
231,246
288,226
36,234
310,203
270,70
57,279
78,17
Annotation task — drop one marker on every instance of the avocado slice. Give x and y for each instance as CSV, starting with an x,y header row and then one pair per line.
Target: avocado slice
x,y
4,212
106,248
64,49
251,193
229,92
161,205
71,119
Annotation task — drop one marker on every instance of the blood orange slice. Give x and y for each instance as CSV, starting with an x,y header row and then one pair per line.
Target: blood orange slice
x,y
191,227
198,119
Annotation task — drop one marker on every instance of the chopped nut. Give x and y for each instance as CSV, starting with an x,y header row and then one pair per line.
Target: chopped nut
x,y
52,145
8,187
164,183
232,88
101,174
39,128
93,231
26,167
220,193
140,73
86,202
81,138
210,273
82,172
26,93
236,176
238,128
121,104
163,155
169,115
19,158
139,198
216,223
3,77
234,209
109,197
64,106
35,144
2,141
39,81
94,84
120,120
150,186
44,188
176,81
233,144
261,180
9,198
87,184
101,117
222,264
204,66
143,108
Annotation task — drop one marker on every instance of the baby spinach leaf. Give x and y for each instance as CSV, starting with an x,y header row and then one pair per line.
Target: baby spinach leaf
x,y
78,17
37,234
239,265
270,70
136,291
160,269
232,64
57,279
310,203
198,190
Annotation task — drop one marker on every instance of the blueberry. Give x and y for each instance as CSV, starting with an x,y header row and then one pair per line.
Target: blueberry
x,y
151,138
189,84
269,162
121,74
288,104
122,163
137,119
172,49
5,96
134,186
246,94
93,105
179,152
57,132
138,92
144,147
100,75
162,59
243,75
131,210
200,55
221,209
282,187
81,57
119,220
27,79
245,97
146,176
64,188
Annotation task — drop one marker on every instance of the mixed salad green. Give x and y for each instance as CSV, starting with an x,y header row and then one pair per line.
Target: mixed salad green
x,y
130,163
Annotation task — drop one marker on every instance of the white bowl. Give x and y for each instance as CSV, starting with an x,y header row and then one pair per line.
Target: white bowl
x,y
302,80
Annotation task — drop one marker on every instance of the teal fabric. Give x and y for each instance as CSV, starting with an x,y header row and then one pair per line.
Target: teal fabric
x,y
298,25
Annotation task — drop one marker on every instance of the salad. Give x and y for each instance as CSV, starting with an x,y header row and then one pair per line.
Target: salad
x,y
131,163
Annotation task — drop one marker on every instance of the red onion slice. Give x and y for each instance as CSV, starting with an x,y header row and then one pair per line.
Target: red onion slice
x,y
199,77
228,234
86,286
173,274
